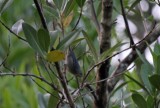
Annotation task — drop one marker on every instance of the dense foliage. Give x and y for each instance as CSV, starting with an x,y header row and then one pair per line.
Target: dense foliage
x,y
35,36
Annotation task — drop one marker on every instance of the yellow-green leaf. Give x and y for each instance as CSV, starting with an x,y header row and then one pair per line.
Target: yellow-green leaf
x,y
55,56
67,20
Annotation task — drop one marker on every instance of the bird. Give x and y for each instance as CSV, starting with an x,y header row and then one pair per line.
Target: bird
x,y
72,63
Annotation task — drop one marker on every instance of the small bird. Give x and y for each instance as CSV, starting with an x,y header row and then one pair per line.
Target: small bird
x,y
72,63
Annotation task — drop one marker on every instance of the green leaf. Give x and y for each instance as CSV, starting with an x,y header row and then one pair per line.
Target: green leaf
x,y
80,3
4,4
133,5
58,3
145,71
138,83
142,58
119,87
68,8
150,102
31,36
157,49
155,81
111,50
68,39
52,12
41,100
44,39
150,18
54,36
52,100
77,41
90,44
139,100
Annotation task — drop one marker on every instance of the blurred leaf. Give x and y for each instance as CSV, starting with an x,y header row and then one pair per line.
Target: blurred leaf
x,y
157,49
133,5
68,39
68,8
139,100
156,57
55,56
90,44
77,41
67,20
32,38
150,18
58,3
17,27
144,73
54,35
111,50
150,102
155,81
44,39
41,100
7,97
80,3
119,87
143,58
52,100
51,12
138,83
4,4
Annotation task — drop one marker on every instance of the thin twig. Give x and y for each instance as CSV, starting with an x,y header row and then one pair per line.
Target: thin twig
x,y
94,16
40,14
8,52
91,90
44,88
80,92
113,76
12,31
26,74
78,19
88,72
132,56
142,16
126,24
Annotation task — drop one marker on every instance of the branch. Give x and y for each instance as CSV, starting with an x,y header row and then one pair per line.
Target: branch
x,y
64,85
132,56
31,75
105,43
63,82
78,19
91,90
40,14
45,89
103,61
126,24
94,16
